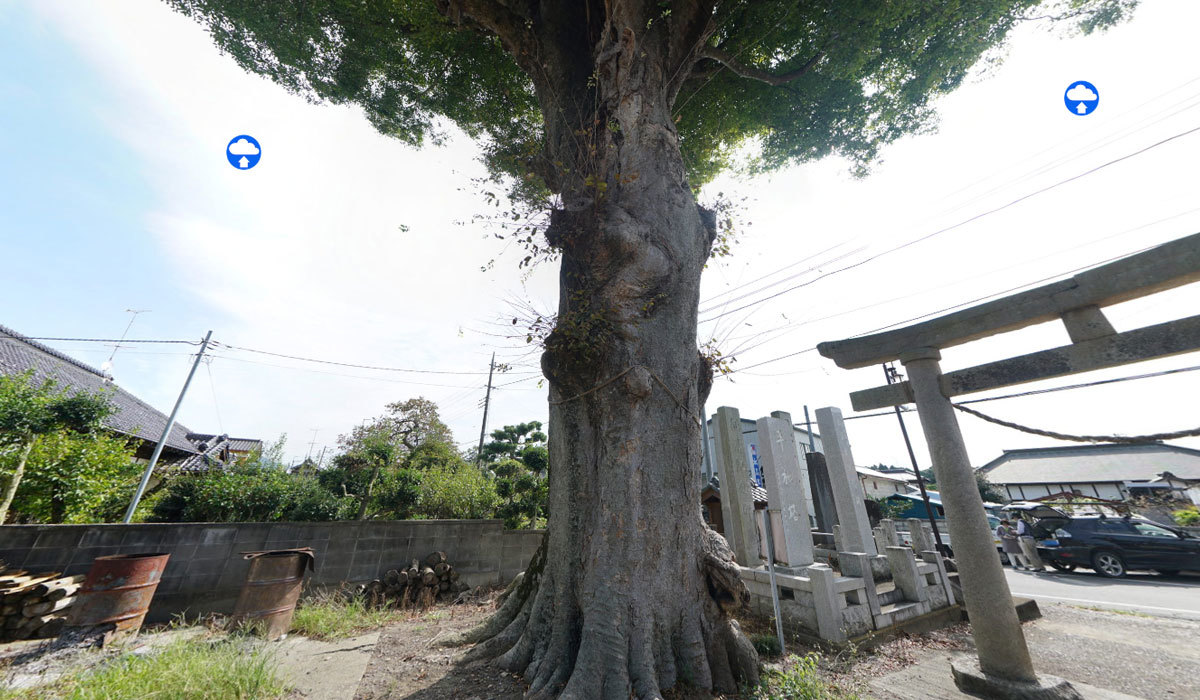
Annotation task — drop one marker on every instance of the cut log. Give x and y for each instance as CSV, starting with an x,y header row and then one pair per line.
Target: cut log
x,y
428,577
402,578
46,587
444,586
63,592
454,574
51,606
441,568
435,558
392,577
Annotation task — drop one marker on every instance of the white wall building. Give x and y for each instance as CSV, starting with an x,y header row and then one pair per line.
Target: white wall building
x,y
1110,472
877,484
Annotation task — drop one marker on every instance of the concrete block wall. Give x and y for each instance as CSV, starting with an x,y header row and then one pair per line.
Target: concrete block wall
x,y
206,569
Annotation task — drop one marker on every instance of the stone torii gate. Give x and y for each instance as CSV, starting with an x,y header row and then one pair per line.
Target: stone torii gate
x,y
1005,668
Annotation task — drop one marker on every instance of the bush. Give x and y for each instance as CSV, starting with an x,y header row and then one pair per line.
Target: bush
x,y
248,493
456,491
1188,517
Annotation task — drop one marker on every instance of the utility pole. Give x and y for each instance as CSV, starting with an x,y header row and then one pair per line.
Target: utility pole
x,y
892,377
312,443
812,444
486,400
141,489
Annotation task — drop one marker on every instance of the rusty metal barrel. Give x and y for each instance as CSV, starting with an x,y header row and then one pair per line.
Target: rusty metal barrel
x,y
117,591
273,584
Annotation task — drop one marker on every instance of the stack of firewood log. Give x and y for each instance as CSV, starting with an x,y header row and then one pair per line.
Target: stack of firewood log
x,y
419,585
35,606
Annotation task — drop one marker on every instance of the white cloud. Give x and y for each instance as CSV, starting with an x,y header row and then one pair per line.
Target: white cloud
x,y
1081,93
242,147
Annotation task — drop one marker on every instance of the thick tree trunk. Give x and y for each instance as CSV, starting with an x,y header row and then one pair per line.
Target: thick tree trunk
x,y
10,489
634,593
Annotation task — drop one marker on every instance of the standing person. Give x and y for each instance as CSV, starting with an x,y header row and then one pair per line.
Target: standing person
x,y
1029,545
1008,538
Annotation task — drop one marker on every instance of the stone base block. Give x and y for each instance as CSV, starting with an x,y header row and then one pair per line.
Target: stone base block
x,y
971,679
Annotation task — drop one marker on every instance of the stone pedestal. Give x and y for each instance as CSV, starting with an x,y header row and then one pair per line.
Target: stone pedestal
x,y
786,489
847,489
971,679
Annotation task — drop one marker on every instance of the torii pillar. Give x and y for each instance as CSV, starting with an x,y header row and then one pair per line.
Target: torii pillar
x,y
994,624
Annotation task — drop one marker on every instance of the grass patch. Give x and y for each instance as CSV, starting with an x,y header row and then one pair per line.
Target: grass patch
x,y
766,644
798,679
186,669
335,616
1132,613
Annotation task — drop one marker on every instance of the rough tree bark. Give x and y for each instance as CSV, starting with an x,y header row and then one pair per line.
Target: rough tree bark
x,y
631,593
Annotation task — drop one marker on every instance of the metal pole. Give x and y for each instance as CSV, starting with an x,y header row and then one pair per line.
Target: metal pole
x,y
141,489
486,400
890,373
708,472
812,445
771,574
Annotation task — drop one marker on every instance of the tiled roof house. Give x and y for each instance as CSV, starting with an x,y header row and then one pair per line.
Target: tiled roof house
x,y
133,417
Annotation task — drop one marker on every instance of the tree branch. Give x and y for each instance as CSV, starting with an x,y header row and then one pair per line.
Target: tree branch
x,y
730,61
491,17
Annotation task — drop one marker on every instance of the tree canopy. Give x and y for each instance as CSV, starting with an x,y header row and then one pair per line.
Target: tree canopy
x,y
797,80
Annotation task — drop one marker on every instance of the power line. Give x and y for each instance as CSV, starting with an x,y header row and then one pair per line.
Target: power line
x,y
345,364
111,340
964,222
338,374
793,325
775,272
947,308
1084,385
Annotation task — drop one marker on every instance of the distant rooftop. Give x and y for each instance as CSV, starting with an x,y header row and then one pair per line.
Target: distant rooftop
x,y
1092,464
133,416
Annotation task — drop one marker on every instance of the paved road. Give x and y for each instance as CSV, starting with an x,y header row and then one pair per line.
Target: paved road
x,y
1176,596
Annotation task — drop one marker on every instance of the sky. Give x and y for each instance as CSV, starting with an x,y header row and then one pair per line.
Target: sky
x,y
347,246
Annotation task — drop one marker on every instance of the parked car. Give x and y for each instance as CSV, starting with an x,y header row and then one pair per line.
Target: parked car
x,y
1110,546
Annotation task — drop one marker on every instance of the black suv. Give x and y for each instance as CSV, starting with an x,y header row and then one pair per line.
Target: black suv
x,y
1111,546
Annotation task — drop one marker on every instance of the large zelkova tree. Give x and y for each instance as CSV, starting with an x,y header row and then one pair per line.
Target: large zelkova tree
x,y
613,113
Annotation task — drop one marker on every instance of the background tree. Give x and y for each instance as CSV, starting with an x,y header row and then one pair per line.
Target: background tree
x,y
987,490
518,459
30,412
615,112
74,477
383,446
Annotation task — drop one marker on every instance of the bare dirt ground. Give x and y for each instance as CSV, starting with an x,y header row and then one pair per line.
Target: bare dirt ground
x,y
408,665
